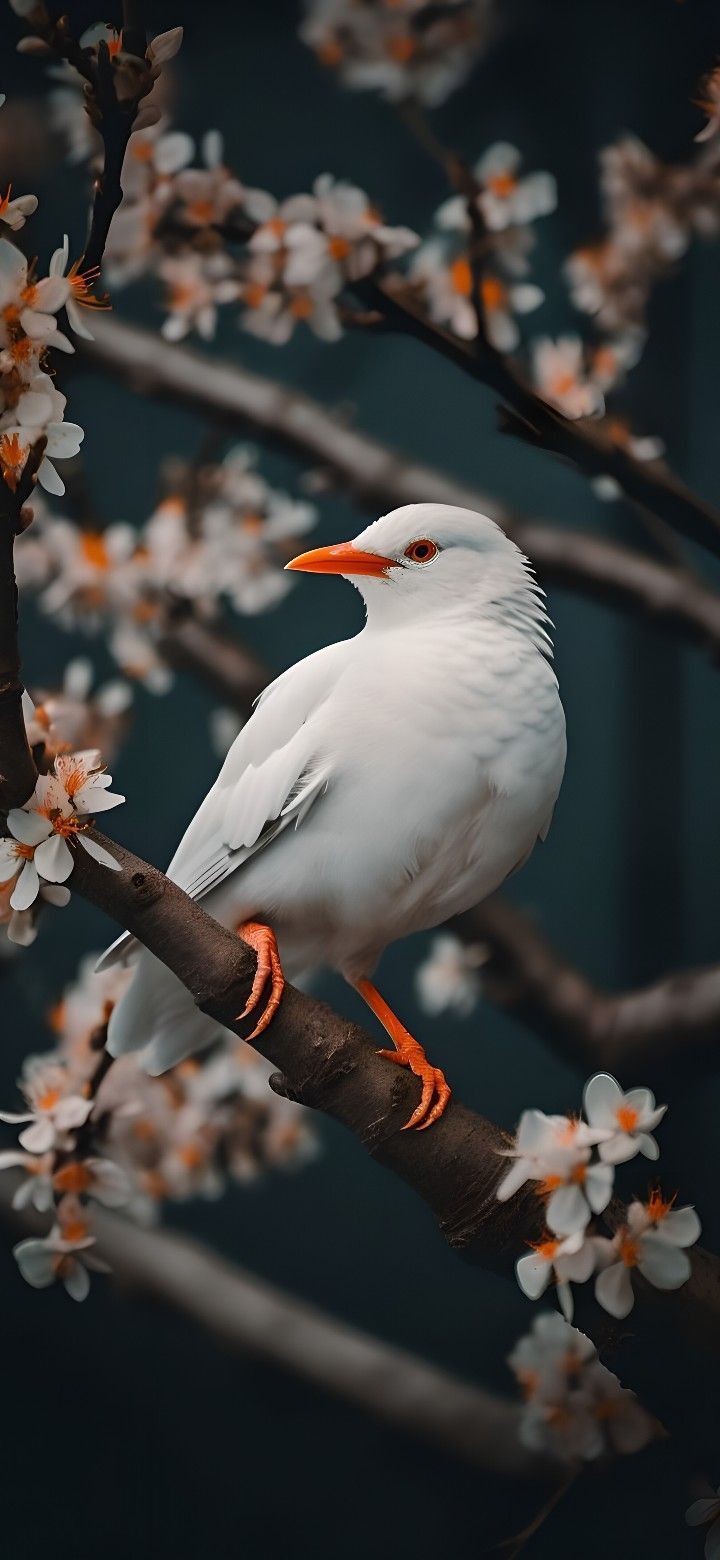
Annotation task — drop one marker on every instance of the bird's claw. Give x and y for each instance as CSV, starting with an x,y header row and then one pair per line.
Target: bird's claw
x,y
262,939
434,1085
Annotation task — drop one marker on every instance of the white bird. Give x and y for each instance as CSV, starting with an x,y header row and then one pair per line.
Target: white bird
x,y
383,784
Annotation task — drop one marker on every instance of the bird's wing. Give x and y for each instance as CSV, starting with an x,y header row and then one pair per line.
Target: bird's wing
x,y
271,777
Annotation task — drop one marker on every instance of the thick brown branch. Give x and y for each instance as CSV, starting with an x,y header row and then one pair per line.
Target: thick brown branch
x,y
678,1017
328,1062
380,479
247,1315
332,1065
647,484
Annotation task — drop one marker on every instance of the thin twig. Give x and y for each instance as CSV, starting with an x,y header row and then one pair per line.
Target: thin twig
x,y
647,484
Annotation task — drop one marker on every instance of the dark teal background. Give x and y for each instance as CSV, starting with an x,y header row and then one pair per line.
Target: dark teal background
x,y
127,1433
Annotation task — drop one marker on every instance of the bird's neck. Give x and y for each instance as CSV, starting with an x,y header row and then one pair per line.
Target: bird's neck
x,y
508,605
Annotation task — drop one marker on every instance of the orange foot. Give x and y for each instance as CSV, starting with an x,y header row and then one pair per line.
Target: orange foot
x,y
409,1053
262,939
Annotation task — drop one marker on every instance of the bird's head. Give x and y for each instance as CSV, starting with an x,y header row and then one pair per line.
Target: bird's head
x,y
425,559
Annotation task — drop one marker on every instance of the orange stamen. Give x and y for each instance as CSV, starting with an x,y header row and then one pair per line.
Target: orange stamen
x,y
502,184
201,211
546,1249
12,458
658,1207
402,48
74,1177
329,52
253,294
461,276
301,306
94,549
75,1230
627,1118
493,294
338,248
629,1251
49,1100
191,1156
82,282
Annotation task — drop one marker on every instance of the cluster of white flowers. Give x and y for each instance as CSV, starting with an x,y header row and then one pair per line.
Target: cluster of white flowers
x,y
508,204
652,210
575,1408
31,406
36,855
401,48
304,253
177,221
118,1137
221,535
555,1154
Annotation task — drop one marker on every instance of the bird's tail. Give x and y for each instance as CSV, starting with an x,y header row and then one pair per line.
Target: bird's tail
x,y
157,1014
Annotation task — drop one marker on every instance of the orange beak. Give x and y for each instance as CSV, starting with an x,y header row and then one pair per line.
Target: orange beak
x,y
343,558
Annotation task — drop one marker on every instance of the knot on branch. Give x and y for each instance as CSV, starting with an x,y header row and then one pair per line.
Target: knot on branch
x,y
146,888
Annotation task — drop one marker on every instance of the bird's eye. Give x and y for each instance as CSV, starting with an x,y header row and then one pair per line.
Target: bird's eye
x,y
422,551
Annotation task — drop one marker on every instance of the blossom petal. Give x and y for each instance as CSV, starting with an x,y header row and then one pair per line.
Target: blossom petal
x,y
55,894
662,1264
76,1280
38,1138
36,1263
601,1097
516,1177
702,1510
28,827
614,1291
681,1226
95,798
50,479
567,1211
26,889
54,859
533,1274
99,853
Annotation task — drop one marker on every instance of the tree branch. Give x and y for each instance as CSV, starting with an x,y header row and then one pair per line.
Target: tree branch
x,y
677,1017
247,1315
114,119
378,478
332,1065
647,484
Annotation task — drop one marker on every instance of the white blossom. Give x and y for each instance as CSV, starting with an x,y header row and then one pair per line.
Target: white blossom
x,y
560,376
575,1408
627,1120
653,1240
65,1254
449,979
561,1260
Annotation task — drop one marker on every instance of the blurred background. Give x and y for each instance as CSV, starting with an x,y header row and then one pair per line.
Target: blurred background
x,y
128,1431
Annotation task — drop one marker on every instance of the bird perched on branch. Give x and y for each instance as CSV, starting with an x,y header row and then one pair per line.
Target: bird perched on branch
x,y
382,784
